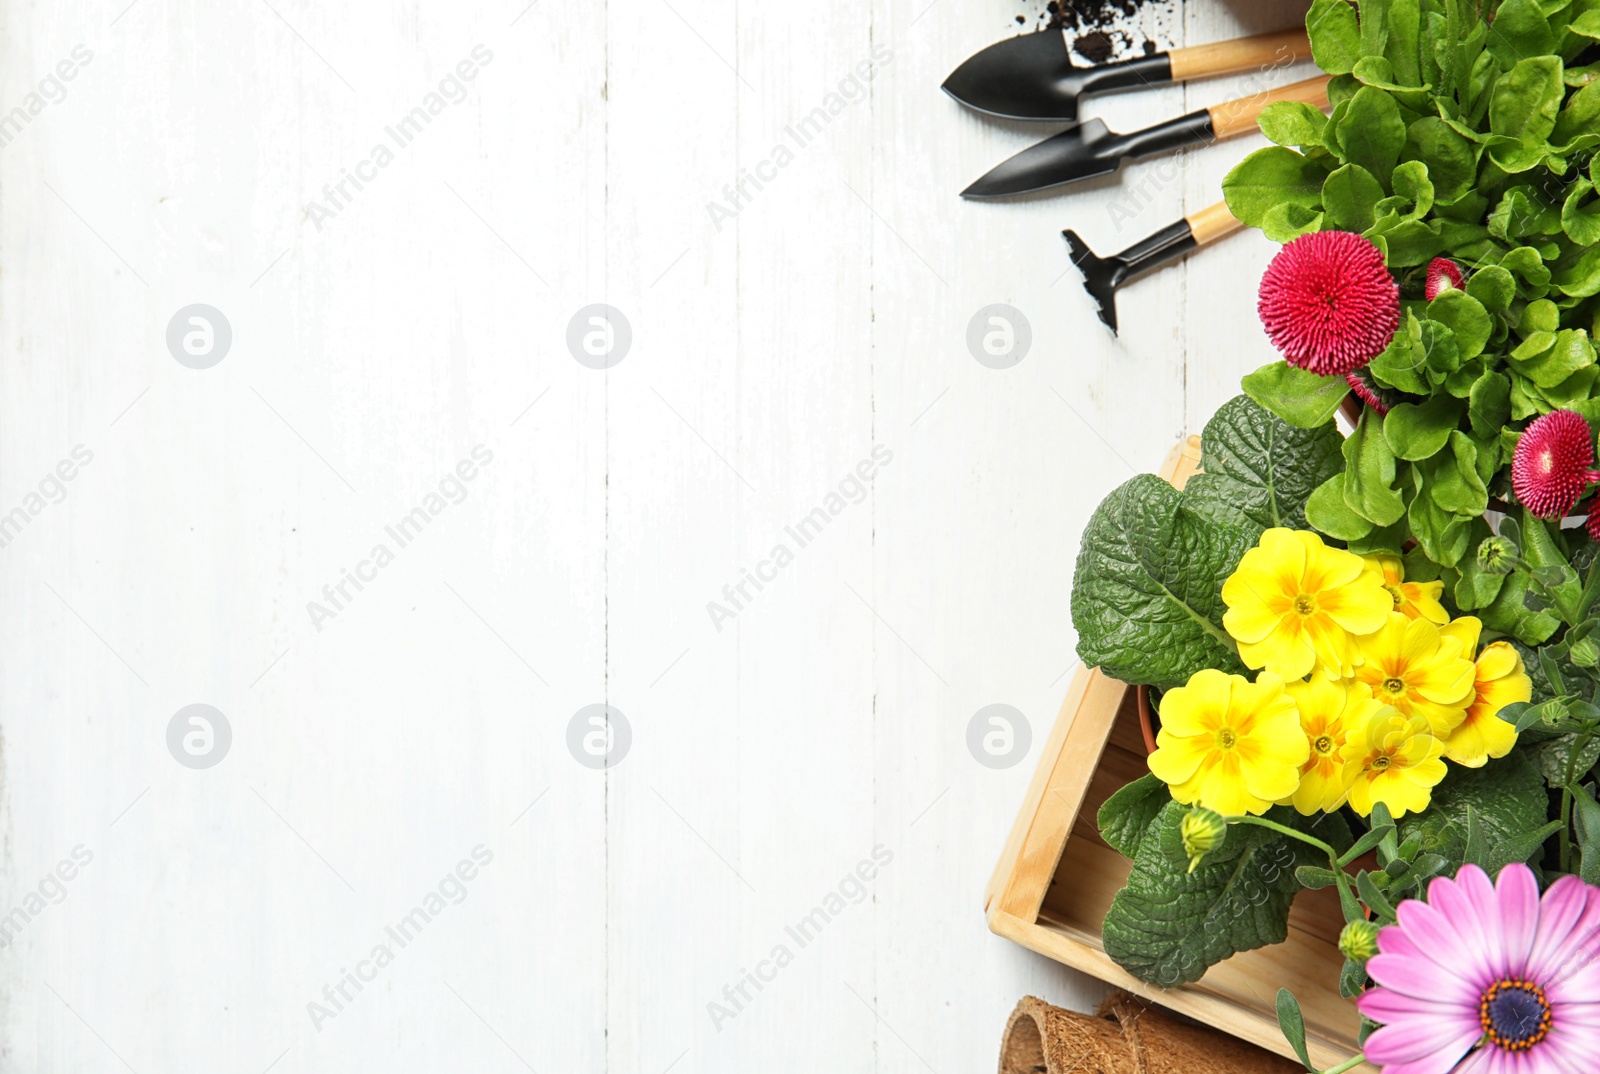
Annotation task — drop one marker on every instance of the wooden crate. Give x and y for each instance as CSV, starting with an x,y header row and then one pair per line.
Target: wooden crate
x,y
1056,878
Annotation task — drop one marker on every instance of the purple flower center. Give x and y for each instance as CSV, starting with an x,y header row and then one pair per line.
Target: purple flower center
x,y
1514,1014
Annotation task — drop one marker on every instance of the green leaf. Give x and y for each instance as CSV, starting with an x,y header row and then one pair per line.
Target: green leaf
x,y
1582,279
1370,472
1128,814
1467,319
1580,217
1579,117
1374,898
1292,123
1420,430
1586,826
1293,1025
1553,357
1451,159
1286,222
1335,36
1493,286
1258,470
1298,397
1411,183
1524,107
1489,404
1508,797
1168,926
1521,28
1270,177
1327,512
1146,595
1553,756
1350,198
1371,838
1372,133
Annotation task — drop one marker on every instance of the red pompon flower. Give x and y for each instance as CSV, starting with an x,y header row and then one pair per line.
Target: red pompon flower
x,y
1328,302
1443,275
1365,391
1551,466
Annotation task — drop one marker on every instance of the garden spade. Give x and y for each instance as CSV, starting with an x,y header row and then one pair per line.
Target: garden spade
x,y
1033,76
1104,276
1091,149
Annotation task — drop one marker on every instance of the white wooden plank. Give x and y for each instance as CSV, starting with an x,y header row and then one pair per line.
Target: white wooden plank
x,y
816,325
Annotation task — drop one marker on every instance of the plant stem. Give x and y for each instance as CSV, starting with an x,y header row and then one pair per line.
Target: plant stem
x,y
1578,746
1349,1064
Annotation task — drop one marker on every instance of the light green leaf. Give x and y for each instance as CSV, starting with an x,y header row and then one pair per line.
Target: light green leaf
x,y
1292,123
1451,159
1335,36
1350,198
1298,397
1524,107
1466,318
1270,177
1493,286
1582,279
1421,430
1326,512
1372,133
1370,472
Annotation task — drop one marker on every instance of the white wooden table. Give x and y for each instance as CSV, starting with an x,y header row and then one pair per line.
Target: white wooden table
x,y
382,335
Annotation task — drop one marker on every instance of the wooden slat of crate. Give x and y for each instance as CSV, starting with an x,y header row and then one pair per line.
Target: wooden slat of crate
x,y
1056,878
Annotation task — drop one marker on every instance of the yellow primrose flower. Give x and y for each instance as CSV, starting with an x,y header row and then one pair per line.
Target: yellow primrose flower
x,y
1328,708
1293,603
1500,680
1414,600
1410,665
1392,759
1229,744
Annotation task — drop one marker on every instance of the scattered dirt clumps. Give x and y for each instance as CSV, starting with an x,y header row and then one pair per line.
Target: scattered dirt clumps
x,y
1100,30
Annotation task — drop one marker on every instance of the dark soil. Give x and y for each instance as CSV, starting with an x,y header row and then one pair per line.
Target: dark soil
x,y
1099,28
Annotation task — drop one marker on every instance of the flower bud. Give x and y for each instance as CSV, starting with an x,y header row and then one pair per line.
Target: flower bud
x,y
1359,941
1202,830
1585,653
1497,555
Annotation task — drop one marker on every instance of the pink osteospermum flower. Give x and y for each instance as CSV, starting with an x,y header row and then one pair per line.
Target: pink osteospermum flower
x,y
1550,467
1443,275
1490,977
1328,302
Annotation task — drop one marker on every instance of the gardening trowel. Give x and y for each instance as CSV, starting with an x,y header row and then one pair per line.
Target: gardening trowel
x,y
1103,276
1033,76
1091,149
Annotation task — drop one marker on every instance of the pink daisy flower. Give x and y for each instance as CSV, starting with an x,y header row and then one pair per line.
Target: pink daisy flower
x,y
1492,978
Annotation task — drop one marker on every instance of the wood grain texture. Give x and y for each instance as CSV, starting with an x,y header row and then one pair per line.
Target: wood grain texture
x,y
785,239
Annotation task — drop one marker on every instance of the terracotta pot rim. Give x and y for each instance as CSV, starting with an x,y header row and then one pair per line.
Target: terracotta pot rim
x,y
1147,717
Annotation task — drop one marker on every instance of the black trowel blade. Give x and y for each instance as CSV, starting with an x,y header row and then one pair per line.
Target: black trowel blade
x,y
1071,156
1033,77
1027,77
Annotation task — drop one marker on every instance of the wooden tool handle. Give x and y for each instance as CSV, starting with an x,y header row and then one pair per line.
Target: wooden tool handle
x,y
1212,223
1240,54
1238,116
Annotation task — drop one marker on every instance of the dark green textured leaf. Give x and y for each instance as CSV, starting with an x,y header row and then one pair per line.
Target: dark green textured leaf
x,y
1259,470
1129,813
1509,799
1146,595
1168,926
